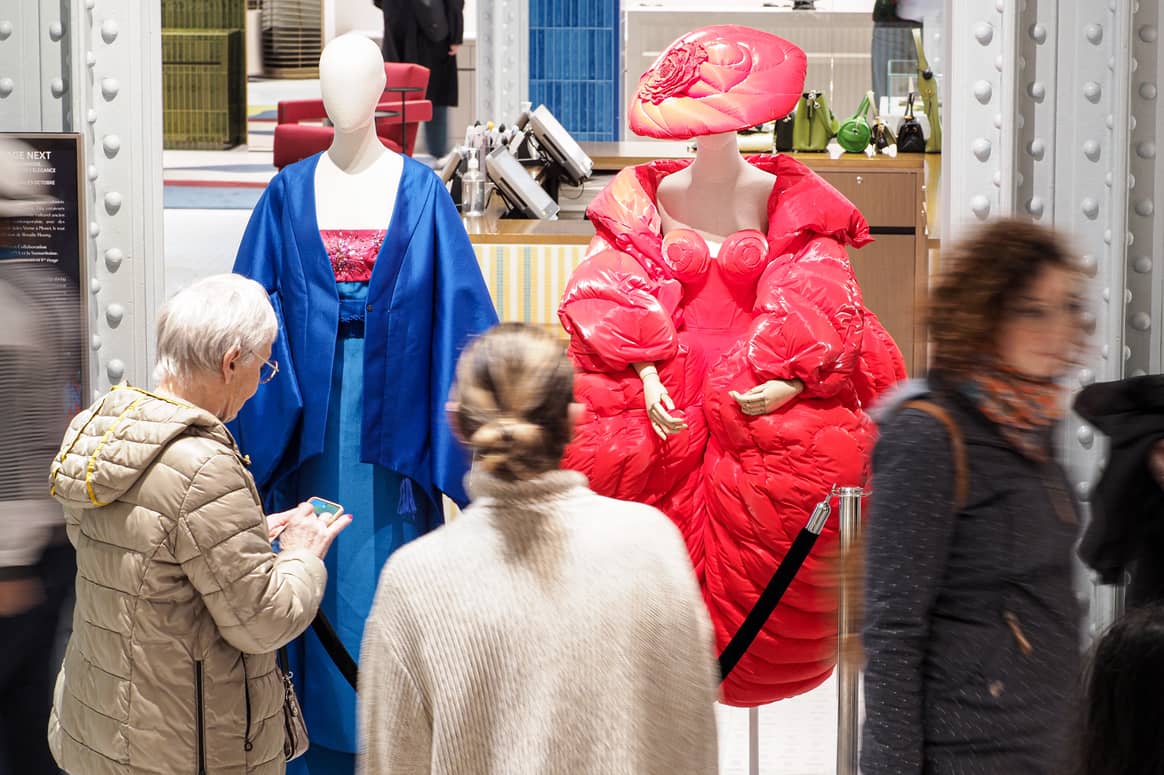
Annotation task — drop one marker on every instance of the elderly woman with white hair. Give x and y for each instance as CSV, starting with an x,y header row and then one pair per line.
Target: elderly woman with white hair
x,y
181,598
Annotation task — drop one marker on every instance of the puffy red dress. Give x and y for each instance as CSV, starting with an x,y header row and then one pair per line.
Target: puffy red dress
x,y
784,305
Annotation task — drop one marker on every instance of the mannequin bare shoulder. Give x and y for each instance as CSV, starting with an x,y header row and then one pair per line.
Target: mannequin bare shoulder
x,y
719,193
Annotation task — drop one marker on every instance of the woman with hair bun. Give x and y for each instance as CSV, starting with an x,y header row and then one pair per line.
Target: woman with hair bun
x,y
548,629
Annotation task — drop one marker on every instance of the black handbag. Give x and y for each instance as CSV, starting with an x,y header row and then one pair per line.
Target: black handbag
x,y
910,137
782,133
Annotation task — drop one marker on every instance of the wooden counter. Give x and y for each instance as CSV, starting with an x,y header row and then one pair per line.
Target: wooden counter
x,y
492,230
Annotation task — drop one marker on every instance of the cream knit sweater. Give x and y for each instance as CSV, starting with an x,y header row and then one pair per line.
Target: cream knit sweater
x,y
547,630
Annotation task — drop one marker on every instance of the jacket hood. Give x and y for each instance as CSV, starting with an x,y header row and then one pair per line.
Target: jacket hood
x,y
801,205
110,445
903,392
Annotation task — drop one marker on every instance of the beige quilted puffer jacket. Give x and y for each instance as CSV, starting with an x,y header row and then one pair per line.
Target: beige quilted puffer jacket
x,y
180,600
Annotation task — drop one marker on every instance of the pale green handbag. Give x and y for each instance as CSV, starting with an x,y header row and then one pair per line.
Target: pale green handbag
x,y
814,124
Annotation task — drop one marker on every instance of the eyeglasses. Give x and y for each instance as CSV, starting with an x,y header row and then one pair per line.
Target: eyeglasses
x,y
268,371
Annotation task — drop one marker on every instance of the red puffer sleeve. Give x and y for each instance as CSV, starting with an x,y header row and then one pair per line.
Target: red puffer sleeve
x,y
812,319
617,315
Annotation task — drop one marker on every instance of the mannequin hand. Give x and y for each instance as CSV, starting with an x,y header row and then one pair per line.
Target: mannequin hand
x,y
768,397
659,405
1156,462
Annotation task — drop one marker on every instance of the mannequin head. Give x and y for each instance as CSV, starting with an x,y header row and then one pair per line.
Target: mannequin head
x,y
351,78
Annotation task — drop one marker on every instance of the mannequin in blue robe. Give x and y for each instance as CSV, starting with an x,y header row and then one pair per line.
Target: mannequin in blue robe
x,y
356,412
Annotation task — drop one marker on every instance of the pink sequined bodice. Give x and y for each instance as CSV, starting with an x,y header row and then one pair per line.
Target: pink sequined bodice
x,y
352,252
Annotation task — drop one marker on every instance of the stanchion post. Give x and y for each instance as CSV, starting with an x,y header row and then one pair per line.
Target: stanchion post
x,y
848,671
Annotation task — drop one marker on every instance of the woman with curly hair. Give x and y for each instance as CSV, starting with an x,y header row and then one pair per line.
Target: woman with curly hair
x,y
972,626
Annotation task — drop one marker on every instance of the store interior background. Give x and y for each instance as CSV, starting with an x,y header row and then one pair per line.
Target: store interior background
x,y
203,226
1047,103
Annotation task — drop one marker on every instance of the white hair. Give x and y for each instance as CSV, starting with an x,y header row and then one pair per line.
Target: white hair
x,y
200,324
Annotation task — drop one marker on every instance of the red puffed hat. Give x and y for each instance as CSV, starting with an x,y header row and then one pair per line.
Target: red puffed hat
x,y
722,78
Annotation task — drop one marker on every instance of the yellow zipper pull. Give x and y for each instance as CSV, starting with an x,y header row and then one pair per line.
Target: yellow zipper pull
x,y
1016,629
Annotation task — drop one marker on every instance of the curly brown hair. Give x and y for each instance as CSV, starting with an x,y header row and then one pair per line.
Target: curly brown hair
x,y
970,303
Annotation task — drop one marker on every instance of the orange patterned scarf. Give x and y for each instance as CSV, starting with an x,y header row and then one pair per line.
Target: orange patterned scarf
x,y
1024,409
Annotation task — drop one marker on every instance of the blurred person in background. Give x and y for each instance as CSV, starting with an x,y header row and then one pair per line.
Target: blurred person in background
x,y
428,33
181,599
1121,728
972,627
39,356
1124,539
547,629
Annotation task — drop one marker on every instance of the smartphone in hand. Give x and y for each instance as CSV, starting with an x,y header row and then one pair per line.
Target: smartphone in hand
x,y
325,509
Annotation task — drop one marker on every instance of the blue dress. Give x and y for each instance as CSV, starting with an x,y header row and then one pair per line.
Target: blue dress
x,y
356,413
387,510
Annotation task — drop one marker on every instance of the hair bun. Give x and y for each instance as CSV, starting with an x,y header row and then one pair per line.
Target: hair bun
x,y
504,443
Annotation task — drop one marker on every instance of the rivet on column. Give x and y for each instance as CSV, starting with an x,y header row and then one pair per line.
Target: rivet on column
x,y
1091,150
1092,91
981,149
1148,33
95,342
110,88
1141,321
1086,377
1086,436
94,229
1038,33
1145,208
1148,91
983,91
1035,207
1037,91
981,206
983,33
6,87
116,370
5,30
57,87
94,286
112,202
1037,148
1094,33
92,172
1089,264
114,314
56,31
113,259
109,31
111,144
1142,264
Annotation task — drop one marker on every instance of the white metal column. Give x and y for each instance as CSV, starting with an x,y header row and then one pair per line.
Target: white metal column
x,y
94,67
502,59
1065,92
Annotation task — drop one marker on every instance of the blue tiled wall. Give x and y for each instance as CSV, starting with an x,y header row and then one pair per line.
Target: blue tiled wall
x,y
574,64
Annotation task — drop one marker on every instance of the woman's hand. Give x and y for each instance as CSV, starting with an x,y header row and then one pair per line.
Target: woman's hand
x,y
1156,462
768,397
304,530
276,523
658,402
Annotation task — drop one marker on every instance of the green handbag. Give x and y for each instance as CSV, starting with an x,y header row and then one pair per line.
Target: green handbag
x,y
855,133
928,86
814,124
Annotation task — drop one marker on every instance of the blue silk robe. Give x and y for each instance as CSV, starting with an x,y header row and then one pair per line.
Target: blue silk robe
x,y
425,299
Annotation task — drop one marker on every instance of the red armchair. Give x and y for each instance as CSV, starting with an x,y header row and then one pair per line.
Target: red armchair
x,y
295,140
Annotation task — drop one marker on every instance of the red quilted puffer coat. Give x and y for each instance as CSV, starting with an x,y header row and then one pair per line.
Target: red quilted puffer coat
x,y
784,305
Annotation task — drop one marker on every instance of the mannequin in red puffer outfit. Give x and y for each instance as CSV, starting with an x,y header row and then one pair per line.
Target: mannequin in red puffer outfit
x,y
764,355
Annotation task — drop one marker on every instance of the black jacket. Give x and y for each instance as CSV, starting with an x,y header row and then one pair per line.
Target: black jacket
x,y
1126,531
421,32
954,600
